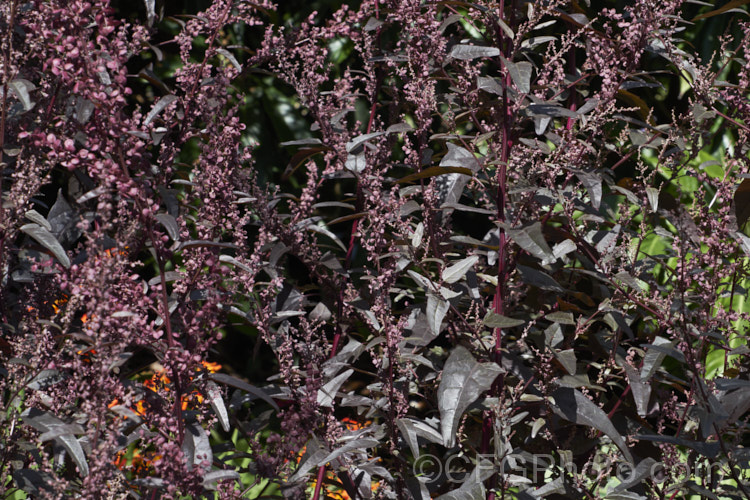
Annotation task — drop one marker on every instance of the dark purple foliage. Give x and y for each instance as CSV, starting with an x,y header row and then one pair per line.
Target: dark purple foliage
x,y
506,258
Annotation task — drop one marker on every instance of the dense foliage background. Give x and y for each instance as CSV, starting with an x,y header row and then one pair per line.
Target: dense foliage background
x,y
396,249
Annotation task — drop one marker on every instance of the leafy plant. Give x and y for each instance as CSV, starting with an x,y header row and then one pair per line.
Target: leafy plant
x,y
471,249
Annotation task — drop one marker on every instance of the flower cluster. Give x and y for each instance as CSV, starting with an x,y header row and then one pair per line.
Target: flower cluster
x,y
403,229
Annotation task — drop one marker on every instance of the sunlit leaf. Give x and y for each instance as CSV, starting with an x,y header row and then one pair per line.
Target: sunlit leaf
x,y
641,390
463,381
212,477
46,422
47,240
567,359
412,430
38,218
150,11
437,308
655,354
469,52
327,393
160,105
564,318
196,446
494,320
520,72
459,269
356,444
21,89
216,400
230,57
531,239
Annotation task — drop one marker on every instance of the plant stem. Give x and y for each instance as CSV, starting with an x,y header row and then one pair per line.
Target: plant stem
x,y
499,301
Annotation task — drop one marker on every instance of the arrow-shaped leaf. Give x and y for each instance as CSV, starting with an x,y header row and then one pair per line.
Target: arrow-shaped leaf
x,y
21,88
531,239
47,424
225,379
196,447
159,107
494,320
573,406
654,357
469,52
357,444
464,379
217,403
520,73
437,308
327,393
412,429
214,476
314,455
48,241
539,279
459,269
358,141
460,157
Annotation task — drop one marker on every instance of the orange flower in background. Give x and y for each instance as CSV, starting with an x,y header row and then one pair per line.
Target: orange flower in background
x,y
138,463
58,303
334,488
140,408
211,367
159,379
86,354
108,252
337,492
354,425
57,306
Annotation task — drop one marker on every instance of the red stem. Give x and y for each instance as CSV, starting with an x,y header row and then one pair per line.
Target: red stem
x,y
319,482
498,303
743,127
